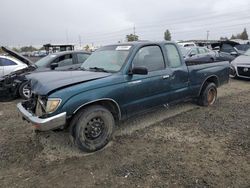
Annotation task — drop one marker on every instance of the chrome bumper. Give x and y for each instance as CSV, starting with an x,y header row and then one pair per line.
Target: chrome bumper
x,y
43,124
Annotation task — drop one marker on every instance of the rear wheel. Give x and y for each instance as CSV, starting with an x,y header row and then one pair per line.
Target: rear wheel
x,y
208,95
92,128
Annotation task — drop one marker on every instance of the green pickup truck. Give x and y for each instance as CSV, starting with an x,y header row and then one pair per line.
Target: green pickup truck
x,y
117,82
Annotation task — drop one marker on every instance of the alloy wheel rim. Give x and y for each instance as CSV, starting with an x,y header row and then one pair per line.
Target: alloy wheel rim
x,y
26,91
211,97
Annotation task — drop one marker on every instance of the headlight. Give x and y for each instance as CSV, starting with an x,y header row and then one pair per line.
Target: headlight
x,y
52,104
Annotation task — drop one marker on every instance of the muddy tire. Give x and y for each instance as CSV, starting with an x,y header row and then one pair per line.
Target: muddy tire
x,y
208,95
24,90
91,129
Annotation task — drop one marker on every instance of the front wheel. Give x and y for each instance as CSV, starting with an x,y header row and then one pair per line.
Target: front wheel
x,y
208,95
93,128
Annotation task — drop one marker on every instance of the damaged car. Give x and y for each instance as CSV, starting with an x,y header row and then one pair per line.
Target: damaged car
x,y
16,83
240,66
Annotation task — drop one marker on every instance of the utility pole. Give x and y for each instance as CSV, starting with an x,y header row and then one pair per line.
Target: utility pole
x,y
67,36
207,35
80,41
134,32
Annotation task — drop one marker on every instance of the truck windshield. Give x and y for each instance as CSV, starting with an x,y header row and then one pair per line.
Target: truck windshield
x,y
108,59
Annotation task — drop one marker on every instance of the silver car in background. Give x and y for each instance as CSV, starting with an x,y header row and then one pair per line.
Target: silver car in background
x,y
198,54
240,66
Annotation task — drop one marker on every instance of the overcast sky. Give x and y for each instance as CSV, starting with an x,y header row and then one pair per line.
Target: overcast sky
x,y
35,22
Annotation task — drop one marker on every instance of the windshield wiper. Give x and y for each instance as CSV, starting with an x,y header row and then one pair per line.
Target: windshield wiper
x,y
98,69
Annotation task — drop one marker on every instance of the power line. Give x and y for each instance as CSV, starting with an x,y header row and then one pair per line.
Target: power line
x,y
174,21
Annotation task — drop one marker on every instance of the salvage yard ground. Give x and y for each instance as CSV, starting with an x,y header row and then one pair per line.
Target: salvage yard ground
x,y
183,146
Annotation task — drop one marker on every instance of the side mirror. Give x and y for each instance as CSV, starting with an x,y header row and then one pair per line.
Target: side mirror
x,y
192,54
234,53
139,70
53,66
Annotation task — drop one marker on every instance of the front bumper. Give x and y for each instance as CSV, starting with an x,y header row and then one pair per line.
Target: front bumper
x,y
242,71
41,124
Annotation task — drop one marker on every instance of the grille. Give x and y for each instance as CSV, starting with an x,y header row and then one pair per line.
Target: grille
x,y
244,71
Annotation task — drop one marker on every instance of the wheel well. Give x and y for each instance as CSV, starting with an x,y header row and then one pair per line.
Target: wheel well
x,y
212,79
109,104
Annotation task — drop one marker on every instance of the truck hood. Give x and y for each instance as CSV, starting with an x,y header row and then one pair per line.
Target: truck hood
x,y
17,56
43,83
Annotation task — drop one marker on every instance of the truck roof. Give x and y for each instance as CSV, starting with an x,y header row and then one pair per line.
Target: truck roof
x,y
135,43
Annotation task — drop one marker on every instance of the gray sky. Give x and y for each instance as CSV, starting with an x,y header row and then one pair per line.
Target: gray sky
x,y
35,22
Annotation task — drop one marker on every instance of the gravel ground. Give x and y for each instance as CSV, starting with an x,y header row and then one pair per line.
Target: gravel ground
x,y
183,146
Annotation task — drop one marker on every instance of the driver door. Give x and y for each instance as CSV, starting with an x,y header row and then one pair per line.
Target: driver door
x,y
146,91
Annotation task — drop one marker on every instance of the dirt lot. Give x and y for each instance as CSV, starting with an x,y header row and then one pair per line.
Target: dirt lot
x,y
183,146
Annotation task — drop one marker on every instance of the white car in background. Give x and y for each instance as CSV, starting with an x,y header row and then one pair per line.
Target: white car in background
x,y
187,44
9,65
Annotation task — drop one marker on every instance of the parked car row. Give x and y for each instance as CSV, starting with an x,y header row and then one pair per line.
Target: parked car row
x,y
237,54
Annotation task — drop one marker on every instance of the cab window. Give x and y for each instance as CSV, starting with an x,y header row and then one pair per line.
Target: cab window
x,y
173,56
150,57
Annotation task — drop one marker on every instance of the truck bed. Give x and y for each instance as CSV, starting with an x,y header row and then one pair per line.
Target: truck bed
x,y
199,71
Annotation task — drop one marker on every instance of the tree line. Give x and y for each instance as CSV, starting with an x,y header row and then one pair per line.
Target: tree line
x,y
133,37
167,36
242,36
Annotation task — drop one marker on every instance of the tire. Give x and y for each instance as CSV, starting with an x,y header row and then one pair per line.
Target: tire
x,y
232,73
24,90
208,95
92,128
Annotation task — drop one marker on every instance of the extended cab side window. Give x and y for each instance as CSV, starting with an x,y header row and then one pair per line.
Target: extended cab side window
x,y
150,57
173,56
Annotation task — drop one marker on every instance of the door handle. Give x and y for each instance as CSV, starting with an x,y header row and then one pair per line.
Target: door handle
x,y
166,76
135,82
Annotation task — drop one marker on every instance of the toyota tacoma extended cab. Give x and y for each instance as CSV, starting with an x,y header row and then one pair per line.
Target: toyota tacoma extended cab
x,y
117,82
